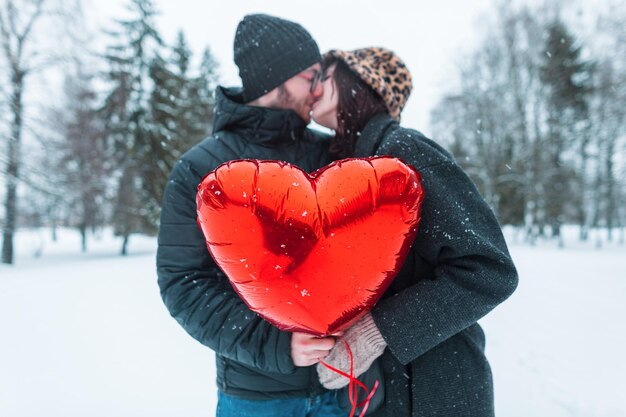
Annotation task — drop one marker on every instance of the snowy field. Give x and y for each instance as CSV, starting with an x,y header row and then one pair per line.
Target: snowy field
x,y
87,335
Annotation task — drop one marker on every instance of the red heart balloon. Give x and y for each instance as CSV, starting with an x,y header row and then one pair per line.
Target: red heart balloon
x,y
310,253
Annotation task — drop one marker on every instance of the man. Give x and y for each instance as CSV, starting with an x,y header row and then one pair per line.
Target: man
x,y
260,369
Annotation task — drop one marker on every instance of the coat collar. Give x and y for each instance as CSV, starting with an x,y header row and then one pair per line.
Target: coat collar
x,y
259,125
373,133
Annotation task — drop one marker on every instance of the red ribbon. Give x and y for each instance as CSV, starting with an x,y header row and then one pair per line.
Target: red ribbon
x,y
353,385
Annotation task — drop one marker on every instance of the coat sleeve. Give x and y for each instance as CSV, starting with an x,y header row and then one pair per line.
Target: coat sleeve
x,y
198,294
461,239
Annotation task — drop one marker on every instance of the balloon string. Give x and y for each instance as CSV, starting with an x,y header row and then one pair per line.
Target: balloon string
x,y
353,385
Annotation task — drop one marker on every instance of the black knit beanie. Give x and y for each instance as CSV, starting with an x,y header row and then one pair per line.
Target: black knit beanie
x,y
270,50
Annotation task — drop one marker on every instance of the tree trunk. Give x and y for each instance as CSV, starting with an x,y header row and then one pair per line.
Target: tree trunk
x,y
611,211
83,237
583,206
124,251
14,156
9,227
53,225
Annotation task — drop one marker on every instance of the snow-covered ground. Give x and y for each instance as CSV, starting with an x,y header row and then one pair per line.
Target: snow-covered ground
x,y
556,345
88,335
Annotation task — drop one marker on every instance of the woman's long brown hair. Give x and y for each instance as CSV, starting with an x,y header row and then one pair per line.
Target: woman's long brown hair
x,y
357,104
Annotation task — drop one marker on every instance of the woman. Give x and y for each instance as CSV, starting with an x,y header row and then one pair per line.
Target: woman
x,y
424,330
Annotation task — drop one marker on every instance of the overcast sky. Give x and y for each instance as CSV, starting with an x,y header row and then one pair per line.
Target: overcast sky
x,y
426,35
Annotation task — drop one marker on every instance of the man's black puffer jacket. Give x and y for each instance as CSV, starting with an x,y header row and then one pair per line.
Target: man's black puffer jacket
x,y
253,357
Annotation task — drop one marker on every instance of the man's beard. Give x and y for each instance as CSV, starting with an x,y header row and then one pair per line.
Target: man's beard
x,y
286,101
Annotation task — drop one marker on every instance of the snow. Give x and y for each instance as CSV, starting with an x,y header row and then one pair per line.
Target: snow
x,y
87,334
556,345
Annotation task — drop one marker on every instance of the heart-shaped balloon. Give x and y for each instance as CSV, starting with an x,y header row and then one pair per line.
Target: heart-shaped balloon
x,y
310,253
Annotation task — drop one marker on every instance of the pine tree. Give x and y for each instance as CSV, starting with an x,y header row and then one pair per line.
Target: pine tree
x,y
566,76
164,124
126,116
205,86
200,101
180,111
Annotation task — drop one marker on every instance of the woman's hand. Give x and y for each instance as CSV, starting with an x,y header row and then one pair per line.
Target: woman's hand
x,y
366,344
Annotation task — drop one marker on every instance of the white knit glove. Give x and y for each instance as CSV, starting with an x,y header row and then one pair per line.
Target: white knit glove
x,y
366,344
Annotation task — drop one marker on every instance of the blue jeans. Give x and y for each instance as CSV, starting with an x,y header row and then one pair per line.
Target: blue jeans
x,y
324,405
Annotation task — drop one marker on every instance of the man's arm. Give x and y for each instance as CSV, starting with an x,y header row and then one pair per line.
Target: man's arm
x,y
198,294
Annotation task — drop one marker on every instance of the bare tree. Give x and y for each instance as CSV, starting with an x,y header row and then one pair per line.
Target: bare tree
x,y
16,27
24,53
490,120
608,127
78,154
538,121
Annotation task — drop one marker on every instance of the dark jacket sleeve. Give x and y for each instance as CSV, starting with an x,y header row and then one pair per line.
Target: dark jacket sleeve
x,y
198,294
461,239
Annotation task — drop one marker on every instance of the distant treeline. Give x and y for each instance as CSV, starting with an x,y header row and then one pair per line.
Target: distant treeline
x,y
538,120
536,117
109,142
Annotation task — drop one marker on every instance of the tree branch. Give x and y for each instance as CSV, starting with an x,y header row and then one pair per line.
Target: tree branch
x,y
5,38
29,183
29,25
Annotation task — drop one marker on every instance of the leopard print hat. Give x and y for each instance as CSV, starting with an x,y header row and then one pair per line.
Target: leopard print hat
x,y
383,71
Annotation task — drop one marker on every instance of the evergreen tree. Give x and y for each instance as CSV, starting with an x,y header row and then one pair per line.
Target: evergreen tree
x,y
126,117
566,76
164,114
205,86
180,110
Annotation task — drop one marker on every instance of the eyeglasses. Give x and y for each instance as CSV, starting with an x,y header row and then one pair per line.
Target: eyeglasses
x,y
314,79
